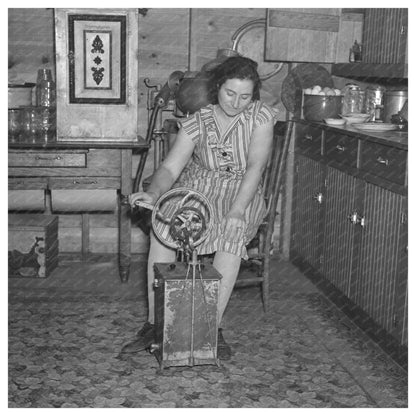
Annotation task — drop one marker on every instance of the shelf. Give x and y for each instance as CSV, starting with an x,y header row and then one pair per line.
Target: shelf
x,y
368,70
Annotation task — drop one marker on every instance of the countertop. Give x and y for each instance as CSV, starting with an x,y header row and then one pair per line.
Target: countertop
x,y
139,143
392,138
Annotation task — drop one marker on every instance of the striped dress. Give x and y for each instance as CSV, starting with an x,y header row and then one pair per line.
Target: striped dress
x,y
217,167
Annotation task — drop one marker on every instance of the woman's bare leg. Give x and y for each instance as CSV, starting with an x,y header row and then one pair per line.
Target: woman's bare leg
x,y
228,266
158,253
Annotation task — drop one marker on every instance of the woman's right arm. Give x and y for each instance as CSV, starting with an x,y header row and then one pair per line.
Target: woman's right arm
x,y
169,170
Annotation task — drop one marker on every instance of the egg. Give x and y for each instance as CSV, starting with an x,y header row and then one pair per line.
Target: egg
x,y
326,90
330,92
308,91
321,93
316,90
337,91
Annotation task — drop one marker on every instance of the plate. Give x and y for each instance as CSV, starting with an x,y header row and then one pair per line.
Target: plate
x,y
356,118
334,121
375,126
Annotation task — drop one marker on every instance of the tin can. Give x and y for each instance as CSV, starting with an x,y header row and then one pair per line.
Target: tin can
x,y
374,102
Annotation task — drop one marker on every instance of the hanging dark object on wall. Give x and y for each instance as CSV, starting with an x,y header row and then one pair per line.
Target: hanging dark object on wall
x,y
97,58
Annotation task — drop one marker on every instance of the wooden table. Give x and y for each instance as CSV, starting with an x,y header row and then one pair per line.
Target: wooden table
x,y
79,165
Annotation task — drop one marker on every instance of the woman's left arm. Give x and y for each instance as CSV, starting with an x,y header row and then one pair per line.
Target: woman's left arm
x,y
233,223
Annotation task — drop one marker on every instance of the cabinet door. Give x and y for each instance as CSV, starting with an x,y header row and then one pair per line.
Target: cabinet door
x,y
338,253
401,285
302,35
385,36
377,267
307,214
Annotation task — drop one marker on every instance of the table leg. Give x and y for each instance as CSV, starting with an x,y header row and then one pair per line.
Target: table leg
x,y
124,217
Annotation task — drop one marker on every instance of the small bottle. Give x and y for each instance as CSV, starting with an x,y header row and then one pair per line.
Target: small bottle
x,y
45,89
356,52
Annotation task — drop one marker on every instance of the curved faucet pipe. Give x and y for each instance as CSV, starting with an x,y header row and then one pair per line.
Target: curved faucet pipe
x,y
235,38
240,32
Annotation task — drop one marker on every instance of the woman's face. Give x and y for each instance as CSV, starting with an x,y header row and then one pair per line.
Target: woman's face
x,y
235,95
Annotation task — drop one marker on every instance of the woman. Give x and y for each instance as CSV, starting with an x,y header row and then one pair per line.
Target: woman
x,y
220,151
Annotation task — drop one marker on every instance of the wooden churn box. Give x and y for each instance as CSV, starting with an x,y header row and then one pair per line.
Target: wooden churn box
x,y
33,245
186,314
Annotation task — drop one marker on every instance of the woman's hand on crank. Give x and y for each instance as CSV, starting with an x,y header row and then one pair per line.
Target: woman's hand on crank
x,y
146,197
233,226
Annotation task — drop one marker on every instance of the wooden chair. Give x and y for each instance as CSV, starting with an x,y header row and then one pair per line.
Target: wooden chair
x,y
259,249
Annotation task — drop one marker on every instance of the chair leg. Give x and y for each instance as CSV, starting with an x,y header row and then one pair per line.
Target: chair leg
x,y
265,282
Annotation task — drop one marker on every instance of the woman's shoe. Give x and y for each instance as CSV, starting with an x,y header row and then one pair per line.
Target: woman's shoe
x,y
145,337
223,349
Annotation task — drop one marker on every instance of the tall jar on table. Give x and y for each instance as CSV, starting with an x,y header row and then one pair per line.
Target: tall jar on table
x,y
353,99
46,101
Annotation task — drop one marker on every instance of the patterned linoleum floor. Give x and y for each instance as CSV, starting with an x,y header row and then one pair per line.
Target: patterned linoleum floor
x,y
66,331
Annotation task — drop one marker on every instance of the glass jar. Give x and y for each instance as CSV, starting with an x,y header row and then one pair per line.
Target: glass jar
x,y
353,100
47,124
45,89
31,124
14,124
374,102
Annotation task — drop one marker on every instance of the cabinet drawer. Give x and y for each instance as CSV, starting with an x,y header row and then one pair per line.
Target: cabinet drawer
x,y
28,183
43,159
386,162
308,140
341,150
90,182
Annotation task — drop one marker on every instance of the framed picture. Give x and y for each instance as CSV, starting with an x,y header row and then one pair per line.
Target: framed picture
x,y
97,58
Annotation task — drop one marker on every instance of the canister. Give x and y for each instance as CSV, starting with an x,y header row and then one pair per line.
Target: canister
x,y
186,315
393,103
374,102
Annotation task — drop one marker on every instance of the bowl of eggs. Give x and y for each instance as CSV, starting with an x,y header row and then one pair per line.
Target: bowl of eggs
x,y
321,103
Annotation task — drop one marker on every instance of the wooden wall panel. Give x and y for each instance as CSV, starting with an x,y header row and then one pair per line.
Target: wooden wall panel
x,y
163,49
211,29
302,35
31,39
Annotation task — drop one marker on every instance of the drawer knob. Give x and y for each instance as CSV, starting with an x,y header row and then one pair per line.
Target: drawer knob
x,y
383,161
48,158
75,182
340,148
319,197
355,218
308,137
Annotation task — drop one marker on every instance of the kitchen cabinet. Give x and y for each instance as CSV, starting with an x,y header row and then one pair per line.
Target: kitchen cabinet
x,y
349,219
385,36
374,282
385,46
338,246
306,233
311,35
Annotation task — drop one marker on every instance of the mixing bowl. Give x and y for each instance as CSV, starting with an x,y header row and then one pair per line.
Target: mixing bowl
x,y
320,107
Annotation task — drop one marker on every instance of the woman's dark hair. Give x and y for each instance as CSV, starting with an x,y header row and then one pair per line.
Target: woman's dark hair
x,y
235,67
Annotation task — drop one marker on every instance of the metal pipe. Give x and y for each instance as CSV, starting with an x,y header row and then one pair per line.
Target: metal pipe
x,y
143,157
